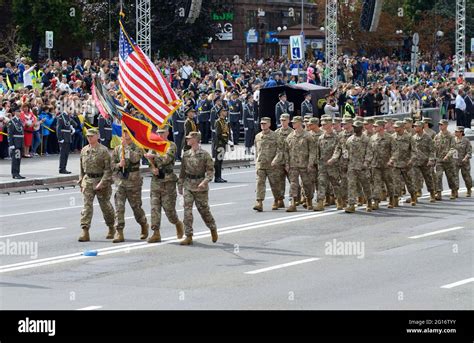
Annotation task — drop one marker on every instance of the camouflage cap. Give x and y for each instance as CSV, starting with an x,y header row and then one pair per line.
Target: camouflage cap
x,y
380,123
297,119
347,116
408,120
459,128
443,122
346,120
399,123
307,117
427,120
194,134
369,121
326,117
265,120
359,118
337,120
285,116
314,120
419,124
358,123
390,120
92,132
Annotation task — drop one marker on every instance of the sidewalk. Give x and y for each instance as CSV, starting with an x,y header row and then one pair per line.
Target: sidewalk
x,y
45,170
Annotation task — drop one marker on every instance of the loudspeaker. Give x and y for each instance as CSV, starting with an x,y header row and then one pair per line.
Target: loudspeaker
x,y
369,18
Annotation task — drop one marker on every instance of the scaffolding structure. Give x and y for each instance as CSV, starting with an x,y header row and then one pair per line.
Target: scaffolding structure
x,y
143,29
331,42
460,62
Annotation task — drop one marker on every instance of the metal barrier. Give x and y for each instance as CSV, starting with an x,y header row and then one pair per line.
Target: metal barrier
x,y
433,113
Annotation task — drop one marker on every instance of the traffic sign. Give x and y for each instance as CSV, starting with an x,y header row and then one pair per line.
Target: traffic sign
x,y
296,48
49,40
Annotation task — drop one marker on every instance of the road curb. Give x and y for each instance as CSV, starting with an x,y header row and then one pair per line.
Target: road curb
x,y
45,183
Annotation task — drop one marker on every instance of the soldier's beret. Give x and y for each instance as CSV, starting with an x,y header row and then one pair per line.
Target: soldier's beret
x,y
92,132
408,120
369,121
314,120
285,116
358,123
460,128
380,123
419,124
194,134
297,119
399,123
443,122
265,120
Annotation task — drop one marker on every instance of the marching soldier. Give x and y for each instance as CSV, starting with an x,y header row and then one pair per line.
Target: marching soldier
x,y
402,151
204,117
95,180
369,127
126,165
283,131
306,119
380,150
269,157
197,170
15,142
307,106
64,133
445,150
235,116
282,106
464,155
337,121
315,133
423,159
357,151
189,126
249,124
348,131
163,189
222,138
179,118
299,162
427,127
105,130
328,173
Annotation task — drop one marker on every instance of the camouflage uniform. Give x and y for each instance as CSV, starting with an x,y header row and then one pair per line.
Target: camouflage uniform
x,y
283,175
196,167
314,175
423,149
269,148
163,188
445,147
299,156
464,148
402,151
380,152
328,174
344,161
96,167
129,184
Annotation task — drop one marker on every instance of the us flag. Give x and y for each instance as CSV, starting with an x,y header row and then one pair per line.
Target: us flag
x,y
143,84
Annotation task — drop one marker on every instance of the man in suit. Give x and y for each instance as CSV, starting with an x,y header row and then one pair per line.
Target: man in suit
x,y
15,142
469,113
306,106
105,131
64,129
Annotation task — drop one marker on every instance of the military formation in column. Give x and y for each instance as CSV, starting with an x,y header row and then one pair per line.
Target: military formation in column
x,y
351,162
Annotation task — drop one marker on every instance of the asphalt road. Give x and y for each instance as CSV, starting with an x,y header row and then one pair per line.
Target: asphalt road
x,y
406,258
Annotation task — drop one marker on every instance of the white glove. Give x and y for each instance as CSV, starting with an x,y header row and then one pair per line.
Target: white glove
x,y
176,133
11,147
61,141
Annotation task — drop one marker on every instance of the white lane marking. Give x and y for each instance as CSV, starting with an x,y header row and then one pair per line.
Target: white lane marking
x,y
215,189
36,231
437,232
458,283
48,196
243,172
143,245
284,265
181,210
89,308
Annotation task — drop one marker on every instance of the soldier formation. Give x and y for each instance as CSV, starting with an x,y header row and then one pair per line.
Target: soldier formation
x,y
364,162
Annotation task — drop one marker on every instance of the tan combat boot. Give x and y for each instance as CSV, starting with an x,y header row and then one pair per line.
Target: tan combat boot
x,y
179,229
438,196
418,194
376,204
344,202
456,193
339,205
275,205
281,203
332,200
214,236
187,241
84,237
413,199
303,201
432,197
111,233
156,237
118,236
327,201
369,206
390,202
292,207
258,206
395,201
309,204
350,209
144,233
360,201
453,195
319,206
468,193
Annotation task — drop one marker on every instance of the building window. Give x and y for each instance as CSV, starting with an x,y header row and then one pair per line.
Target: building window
x,y
251,19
